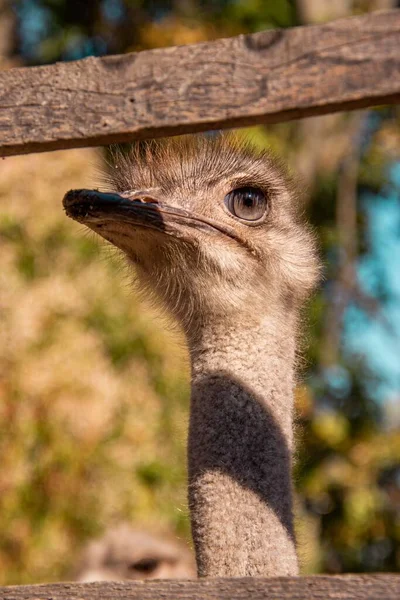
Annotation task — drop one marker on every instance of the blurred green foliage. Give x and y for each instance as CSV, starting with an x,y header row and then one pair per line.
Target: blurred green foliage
x,y
69,29
94,385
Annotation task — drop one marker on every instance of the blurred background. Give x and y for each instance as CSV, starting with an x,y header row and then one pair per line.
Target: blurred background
x,y
94,387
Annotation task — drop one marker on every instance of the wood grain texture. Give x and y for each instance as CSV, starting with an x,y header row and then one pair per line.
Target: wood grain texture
x,y
260,78
345,587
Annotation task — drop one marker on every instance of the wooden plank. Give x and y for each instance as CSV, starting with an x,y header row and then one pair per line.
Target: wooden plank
x,y
345,587
261,78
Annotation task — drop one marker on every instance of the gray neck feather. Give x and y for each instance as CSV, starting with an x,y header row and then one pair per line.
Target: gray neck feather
x,y
240,447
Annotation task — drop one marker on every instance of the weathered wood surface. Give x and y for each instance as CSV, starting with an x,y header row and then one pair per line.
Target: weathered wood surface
x,y
265,77
345,587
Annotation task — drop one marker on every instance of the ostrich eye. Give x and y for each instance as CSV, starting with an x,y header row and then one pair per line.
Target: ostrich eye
x,y
145,566
247,203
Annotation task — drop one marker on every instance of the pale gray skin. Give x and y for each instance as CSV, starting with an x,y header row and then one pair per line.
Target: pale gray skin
x,y
236,289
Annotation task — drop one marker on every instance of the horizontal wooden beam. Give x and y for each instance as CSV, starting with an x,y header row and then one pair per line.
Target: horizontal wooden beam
x,y
345,587
265,77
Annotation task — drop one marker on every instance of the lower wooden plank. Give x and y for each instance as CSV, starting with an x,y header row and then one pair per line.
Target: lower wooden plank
x,y
343,587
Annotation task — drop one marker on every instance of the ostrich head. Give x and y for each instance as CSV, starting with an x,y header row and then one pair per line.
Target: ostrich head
x,y
211,225
127,553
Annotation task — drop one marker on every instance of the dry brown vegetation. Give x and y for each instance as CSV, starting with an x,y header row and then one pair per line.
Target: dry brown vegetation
x,y
93,389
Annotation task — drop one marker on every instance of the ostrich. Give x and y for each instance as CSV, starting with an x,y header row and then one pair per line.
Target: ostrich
x,y
214,232
127,553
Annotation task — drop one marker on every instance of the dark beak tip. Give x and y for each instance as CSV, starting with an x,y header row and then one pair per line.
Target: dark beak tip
x,y
72,196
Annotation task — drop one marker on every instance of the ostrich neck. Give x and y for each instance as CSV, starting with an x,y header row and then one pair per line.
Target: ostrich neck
x,y
240,446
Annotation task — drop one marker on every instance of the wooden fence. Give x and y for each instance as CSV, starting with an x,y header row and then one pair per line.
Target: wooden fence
x,y
261,78
344,587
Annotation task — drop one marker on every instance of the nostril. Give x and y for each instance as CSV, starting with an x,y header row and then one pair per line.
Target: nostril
x,y
141,196
147,199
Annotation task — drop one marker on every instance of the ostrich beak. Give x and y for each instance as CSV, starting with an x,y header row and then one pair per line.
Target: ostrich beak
x,y
95,209
99,210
